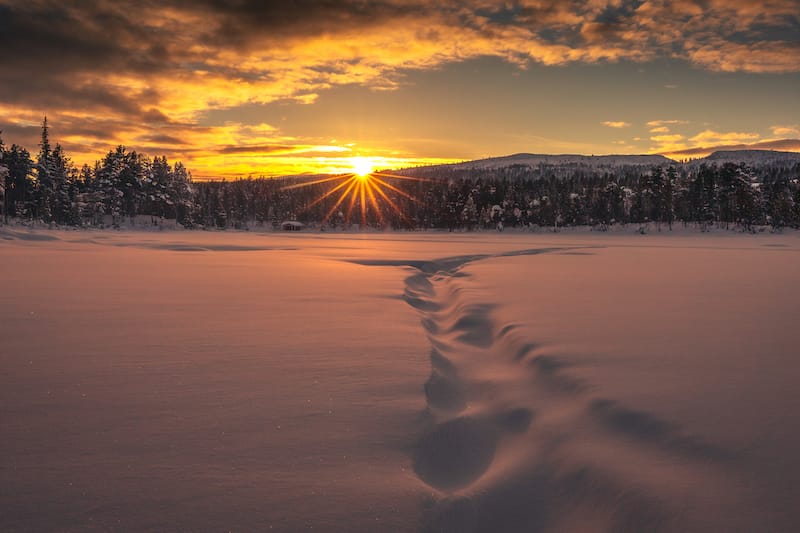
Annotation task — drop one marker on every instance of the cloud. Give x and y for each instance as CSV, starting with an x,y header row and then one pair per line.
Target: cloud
x,y
724,35
787,145
667,138
660,123
786,131
668,143
659,129
613,124
725,56
708,140
715,137
145,73
221,54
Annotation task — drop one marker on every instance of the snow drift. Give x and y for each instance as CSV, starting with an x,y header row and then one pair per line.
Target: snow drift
x,y
403,382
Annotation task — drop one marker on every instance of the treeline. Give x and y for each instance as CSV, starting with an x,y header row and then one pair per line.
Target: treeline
x,y
730,196
51,190
125,184
706,195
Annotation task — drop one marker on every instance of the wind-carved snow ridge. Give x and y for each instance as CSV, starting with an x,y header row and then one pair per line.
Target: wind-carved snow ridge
x,y
512,440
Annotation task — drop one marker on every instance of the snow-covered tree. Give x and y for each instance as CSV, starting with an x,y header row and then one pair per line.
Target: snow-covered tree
x,y
4,179
19,182
469,215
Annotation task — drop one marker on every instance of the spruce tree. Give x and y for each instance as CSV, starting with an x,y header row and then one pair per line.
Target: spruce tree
x,y
63,193
5,180
19,189
43,188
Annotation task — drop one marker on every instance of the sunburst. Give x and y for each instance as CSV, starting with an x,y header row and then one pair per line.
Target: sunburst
x,y
362,166
360,191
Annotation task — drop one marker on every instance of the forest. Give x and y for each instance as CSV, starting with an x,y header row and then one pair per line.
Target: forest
x,y
48,189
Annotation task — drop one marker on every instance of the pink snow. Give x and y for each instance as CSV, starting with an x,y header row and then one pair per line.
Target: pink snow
x,y
398,382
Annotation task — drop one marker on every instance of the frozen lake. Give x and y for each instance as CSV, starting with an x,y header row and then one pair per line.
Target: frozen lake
x,y
399,382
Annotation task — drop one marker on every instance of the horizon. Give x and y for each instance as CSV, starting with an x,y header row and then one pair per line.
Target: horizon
x,y
312,88
352,163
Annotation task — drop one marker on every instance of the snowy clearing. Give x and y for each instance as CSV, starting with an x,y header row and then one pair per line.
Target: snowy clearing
x,y
398,382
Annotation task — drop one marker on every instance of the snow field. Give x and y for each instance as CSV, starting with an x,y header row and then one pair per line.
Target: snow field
x,y
403,382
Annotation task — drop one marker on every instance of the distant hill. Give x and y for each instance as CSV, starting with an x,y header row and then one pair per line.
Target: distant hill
x,y
568,161
533,160
750,156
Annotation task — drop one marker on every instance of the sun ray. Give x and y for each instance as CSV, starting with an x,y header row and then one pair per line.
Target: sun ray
x,y
399,177
363,191
393,205
371,194
352,181
315,182
395,189
353,198
330,192
363,194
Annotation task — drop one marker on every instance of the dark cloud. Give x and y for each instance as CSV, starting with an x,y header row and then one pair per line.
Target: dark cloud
x,y
87,130
57,56
162,139
261,149
244,23
60,55
50,38
618,14
53,92
21,134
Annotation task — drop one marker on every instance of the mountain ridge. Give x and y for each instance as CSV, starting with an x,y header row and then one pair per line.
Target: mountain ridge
x,y
616,160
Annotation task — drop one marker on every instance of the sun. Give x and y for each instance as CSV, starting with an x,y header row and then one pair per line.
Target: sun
x,y
362,190
362,166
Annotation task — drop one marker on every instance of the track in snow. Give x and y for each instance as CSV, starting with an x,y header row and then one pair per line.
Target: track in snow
x,y
511,440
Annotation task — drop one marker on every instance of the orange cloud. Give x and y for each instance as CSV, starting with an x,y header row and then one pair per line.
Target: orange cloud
x,y
777,56
715,137
613,124
146,74
785,145
660,123
667,143
708,141
785,131
667,138
227,151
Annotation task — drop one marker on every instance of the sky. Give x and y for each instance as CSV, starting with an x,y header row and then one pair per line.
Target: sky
x,y
249,88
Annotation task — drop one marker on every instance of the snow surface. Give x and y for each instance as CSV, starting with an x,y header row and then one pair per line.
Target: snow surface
x,y
208,381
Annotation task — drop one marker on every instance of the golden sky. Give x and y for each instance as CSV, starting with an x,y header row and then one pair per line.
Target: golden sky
x,y
245,87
